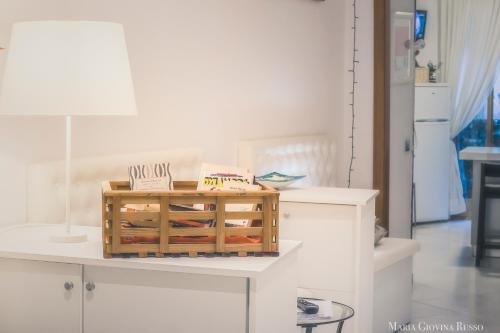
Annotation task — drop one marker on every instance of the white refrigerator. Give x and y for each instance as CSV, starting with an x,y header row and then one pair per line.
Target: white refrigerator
x,y
432,152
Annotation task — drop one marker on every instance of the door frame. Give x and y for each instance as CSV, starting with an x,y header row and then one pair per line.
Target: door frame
x,y
381,111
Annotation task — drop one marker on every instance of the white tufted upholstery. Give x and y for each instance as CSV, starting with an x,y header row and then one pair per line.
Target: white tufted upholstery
x,y
46,183
313,156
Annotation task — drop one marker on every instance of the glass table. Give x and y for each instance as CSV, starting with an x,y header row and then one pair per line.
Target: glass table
x,y
329,313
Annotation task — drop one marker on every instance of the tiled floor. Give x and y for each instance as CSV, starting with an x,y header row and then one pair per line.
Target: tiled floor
x,y
448,288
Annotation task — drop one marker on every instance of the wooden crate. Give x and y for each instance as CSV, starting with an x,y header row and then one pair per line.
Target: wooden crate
x,y
159,224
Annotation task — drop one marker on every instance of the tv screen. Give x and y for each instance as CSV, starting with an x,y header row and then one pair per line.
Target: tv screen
x,y
420,22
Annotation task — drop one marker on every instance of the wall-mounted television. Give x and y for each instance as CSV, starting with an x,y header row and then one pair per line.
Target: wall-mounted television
x,y
420,23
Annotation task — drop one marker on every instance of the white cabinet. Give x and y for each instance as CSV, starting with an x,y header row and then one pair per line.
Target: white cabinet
x,y
130,301
48,297
336,227
181,295
39,296
326,231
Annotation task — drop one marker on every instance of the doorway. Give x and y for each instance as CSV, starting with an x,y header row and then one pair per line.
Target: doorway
x,y
393,113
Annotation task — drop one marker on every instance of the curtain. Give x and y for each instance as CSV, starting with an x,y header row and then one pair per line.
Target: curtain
x,y
470,56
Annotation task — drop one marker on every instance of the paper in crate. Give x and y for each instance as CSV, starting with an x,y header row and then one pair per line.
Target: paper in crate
x,y
150,177
228,178
222,177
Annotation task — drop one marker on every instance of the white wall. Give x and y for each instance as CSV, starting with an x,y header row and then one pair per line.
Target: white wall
x,y
13,195
362,176
431,50
207,74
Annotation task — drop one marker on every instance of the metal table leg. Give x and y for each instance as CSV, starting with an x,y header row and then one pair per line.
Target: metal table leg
x,y
309,329
476,190
339,327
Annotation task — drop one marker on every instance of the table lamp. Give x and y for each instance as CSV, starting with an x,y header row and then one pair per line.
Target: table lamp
x,y
67,68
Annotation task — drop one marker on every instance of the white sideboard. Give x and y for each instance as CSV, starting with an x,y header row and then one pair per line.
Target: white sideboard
x,y
336,226
50,287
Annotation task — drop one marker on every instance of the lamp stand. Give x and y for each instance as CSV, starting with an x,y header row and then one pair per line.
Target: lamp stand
x,y
68,236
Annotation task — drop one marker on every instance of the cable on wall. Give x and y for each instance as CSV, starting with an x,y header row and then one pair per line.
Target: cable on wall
x,y
355,61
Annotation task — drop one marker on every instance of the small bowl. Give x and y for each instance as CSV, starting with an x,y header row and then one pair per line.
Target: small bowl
x,y
278,180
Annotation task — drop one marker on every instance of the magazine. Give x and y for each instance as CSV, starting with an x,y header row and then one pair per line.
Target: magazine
x,y
228,178
222,177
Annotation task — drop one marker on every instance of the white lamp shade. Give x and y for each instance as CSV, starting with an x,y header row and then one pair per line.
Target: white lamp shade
x,y
67,68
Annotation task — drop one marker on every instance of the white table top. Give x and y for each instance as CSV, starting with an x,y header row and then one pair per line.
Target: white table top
x,y
328,195
480,154
31,242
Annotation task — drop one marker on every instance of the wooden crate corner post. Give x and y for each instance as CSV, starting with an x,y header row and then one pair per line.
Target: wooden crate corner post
x,y
116,225
220,246
267,223
164,226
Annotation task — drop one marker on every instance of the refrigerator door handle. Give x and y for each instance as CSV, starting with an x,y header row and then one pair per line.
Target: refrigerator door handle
x,y
437,120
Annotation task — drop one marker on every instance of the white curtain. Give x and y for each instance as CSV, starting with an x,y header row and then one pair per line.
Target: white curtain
x,y
470,55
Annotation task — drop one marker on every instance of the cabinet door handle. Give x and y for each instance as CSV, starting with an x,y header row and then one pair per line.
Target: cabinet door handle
x,y
90,286
286,215
68,285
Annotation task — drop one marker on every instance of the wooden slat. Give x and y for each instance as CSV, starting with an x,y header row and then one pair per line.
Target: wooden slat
x,y
186,248
116,226
185,185
187,193
244,200
147,224
190,200
139,248
146,232
244,215
164,223
245,247
221,224
105,230
144,200
267,224
201,215
192,232
141,216
254,231
266,187
276,218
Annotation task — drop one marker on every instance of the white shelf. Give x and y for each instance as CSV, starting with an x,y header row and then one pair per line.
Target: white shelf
x,y
31,242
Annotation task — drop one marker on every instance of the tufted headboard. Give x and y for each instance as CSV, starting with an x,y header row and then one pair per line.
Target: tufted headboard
x,y
45,202
312,155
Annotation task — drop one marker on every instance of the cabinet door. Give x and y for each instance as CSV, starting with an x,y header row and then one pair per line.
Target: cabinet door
x,y
432,103
326,259
34,298
132,301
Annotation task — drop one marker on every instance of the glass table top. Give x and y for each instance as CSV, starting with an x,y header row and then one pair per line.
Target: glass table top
x,y
329,312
